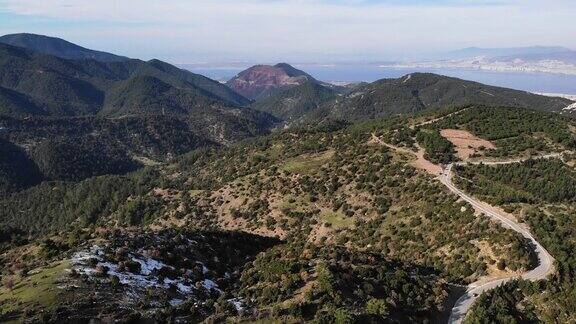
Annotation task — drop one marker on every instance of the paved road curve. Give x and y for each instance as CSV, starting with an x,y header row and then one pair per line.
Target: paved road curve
x,y
545,260
544,268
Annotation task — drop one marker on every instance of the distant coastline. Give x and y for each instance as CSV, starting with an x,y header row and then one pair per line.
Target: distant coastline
x,y
536,82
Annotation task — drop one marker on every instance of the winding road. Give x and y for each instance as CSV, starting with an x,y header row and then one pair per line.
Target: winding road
x,y
545,260
474,290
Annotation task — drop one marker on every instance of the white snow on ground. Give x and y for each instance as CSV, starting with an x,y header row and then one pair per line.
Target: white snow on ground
x,y
407,78
176,302
142,280
210,285
92,261
148,265
185,289
571,107
238,303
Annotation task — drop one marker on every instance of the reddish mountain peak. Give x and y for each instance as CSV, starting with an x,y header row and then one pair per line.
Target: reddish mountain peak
x,y
261,80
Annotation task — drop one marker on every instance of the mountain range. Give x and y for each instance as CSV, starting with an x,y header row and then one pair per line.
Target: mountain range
x,y
42,84
59,102
138,192
58,47
51,77
310,102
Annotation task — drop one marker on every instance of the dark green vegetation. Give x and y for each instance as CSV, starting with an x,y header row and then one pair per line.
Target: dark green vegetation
x,y
291,104
71,119
532,181
17,171
542,192
53,206
438,149
58,47
41,84
514,131
331,285
421,91
78,148
125,150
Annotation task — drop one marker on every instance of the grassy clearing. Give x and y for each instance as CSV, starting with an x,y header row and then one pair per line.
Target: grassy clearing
x,y
298,204
194,193
38,289
307,163
275,151
336,220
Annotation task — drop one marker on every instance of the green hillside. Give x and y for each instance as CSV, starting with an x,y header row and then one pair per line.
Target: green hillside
x,y
421,91
293,103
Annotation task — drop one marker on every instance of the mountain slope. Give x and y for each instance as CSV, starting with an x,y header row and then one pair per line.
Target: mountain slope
x,y
420,91
72,88
13,103
145,94
77,148
292,103
216,89
58,47
17,170
354,217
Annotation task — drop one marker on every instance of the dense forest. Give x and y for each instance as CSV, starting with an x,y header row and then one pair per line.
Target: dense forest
x,y
514,131
438,149
532,181
73,149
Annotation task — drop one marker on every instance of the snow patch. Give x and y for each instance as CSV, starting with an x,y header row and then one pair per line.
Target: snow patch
x,y
176,302
81,263
487,93
407,78
238,303
571,107
148,265
210,285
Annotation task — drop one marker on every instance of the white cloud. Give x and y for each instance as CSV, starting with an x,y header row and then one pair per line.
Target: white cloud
x,y
300,29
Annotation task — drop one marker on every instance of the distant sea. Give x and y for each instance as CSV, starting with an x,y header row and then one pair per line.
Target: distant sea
x,y
533,82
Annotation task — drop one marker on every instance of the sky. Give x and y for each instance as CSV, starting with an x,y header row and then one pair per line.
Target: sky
x,y
198,31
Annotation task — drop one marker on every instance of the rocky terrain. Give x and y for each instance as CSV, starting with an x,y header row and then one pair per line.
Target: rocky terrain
x,y
261,81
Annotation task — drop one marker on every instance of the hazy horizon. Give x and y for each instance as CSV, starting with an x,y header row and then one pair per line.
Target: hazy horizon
x,y
303,31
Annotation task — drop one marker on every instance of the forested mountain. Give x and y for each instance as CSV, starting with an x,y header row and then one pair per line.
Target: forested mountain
x,y
420,91
311,101
293,103
48,85
81,147
130,110
58,47
13,103
541,192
